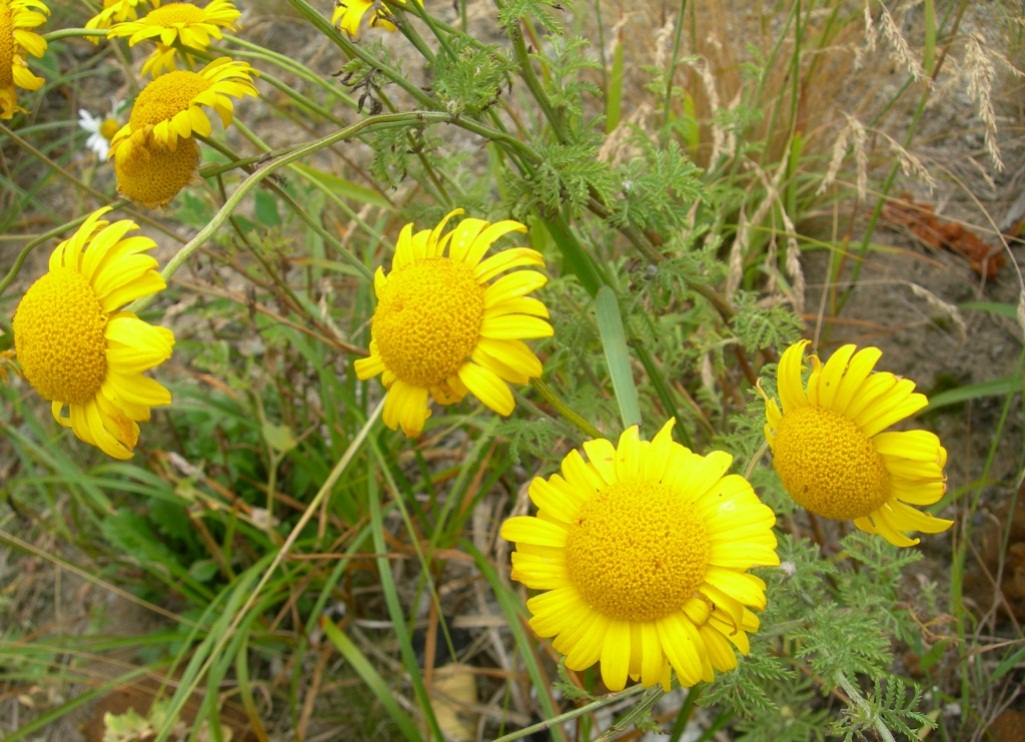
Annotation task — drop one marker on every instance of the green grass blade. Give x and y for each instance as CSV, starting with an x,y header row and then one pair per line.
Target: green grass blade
x,y
929,20
512,609
614,95
1004,310
370,676
343,187
993,388
391,598
617,356
576,259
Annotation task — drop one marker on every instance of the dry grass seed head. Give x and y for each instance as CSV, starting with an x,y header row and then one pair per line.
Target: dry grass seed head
x,y
941,308
853,133
792,265
900,49
980,71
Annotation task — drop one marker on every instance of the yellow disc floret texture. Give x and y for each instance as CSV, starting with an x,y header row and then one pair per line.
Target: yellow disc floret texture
x,y
167,95
6,47
828,465
59,337
169,15
428,320
637,551
152,177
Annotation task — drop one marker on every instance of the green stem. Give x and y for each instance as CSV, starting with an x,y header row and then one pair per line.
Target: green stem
x,y
859,700
534,85
639,712
323,25
100,196
570,715
65,33
246,164
667,98
372,123
25,251
326,488
565,410
255,51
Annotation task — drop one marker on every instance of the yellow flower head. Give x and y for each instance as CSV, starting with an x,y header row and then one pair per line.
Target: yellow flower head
x,y
349,14
443,328
184,23
643,552
152,177
163,59
117,11
171,106
17,18
830,449
79,350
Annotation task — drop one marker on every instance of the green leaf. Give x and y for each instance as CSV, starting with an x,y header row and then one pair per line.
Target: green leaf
x,y
266,210
617,356
204,570
1009,662
344,188
470,78
279,437
614,95
1004,310
993,388
577,259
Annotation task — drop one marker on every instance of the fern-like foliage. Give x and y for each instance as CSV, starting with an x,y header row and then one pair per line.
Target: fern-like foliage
x,y
471,78
747,692
658,188
760,326
534,439
514,11
892,705
567,176
564,84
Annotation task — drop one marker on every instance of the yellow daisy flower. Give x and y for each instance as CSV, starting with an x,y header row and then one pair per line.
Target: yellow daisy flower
x,y
163,59
442,328
184,23
17,17
643,553
349,14
154,176
832,451
171,106
117,11
78,350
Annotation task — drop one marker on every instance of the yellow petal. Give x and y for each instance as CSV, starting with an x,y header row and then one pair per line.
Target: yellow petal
x,y
527,529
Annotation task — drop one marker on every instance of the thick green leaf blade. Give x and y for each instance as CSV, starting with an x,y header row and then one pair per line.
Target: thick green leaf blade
x,y
993,388
344,188
617,356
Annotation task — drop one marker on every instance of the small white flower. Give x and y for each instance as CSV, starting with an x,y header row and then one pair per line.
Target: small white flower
x,y
100,129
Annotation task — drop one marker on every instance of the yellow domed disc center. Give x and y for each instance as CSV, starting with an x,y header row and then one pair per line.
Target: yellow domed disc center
x,y
153,177
828,464
58,336
174,14
6,48
428,320
167,95
637,551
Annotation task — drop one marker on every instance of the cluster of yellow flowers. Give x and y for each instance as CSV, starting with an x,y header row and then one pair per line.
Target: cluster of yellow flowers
x,y
17,18
642,550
